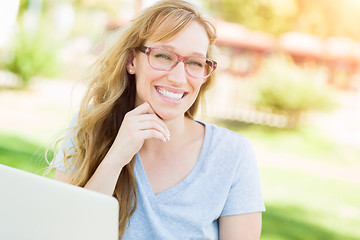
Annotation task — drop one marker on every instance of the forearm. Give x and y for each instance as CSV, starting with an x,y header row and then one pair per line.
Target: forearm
x,y
106,175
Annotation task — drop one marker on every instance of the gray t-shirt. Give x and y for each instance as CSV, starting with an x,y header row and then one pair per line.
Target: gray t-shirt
x,y
225,181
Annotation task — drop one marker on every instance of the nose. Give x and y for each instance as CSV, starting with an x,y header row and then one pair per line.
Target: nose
x,y
177,75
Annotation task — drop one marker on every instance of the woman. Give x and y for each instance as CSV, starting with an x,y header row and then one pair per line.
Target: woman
x,y
135,137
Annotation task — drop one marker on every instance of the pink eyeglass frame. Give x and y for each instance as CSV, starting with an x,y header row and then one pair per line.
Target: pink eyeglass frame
x,y
147,51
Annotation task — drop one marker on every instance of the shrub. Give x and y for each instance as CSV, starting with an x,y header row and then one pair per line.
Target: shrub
x,y
32,54
285,88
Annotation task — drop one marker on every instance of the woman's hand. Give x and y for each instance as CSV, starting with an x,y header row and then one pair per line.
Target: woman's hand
x,y
138,125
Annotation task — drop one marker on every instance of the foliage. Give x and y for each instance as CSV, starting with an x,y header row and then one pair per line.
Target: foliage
x,y
33,54
254,14
23,6
317,17
284,87
280,16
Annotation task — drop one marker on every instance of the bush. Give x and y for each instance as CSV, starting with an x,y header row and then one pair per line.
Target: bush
x,y
32,54
285,88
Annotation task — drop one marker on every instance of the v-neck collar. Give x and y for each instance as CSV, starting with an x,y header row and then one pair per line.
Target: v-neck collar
x,y
144,183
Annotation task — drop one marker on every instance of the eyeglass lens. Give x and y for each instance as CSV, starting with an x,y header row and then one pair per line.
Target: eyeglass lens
x,y
163,59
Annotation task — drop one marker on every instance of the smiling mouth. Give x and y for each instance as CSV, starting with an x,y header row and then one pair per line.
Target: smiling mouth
x,y
169,94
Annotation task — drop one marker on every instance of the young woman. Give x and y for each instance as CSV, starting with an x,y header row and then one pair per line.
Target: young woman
x,y
135,137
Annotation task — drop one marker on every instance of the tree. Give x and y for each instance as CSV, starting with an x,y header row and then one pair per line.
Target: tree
x,y
323,18
328,18
254,14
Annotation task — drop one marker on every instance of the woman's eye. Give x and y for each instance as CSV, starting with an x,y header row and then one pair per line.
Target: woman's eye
x,y
163,56
195,63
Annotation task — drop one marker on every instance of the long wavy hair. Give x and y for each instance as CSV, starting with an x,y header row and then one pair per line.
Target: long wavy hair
x,y
111,94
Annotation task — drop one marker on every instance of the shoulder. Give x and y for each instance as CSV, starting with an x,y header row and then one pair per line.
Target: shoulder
x,y
225,139
225,147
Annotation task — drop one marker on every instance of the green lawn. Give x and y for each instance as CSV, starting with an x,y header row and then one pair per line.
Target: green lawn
x,y
23,154
299,204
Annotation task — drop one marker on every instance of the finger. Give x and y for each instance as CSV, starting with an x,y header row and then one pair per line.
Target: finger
x,y
152,117
151,133
143,108
153,125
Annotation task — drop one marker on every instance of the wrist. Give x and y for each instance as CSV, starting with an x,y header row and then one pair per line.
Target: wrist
x,y
114,160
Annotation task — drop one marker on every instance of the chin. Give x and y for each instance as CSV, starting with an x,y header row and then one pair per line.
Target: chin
x,y
169,115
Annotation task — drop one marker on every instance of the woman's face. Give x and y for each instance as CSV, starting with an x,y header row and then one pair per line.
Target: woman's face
x,y
170,93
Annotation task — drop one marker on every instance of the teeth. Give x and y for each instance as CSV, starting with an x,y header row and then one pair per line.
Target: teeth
x,y
170,94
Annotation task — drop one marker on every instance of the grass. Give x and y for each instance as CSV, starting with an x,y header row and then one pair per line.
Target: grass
x,y
279,223
302,206
305,141
24,154
299,205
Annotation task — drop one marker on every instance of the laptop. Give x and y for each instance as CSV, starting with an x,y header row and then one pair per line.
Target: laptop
x,y
33,207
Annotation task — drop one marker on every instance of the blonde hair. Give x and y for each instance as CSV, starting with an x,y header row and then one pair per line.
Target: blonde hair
x,y
111,94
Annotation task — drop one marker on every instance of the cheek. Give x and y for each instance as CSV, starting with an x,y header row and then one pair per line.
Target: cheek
x,y
196,84
145,79
146,75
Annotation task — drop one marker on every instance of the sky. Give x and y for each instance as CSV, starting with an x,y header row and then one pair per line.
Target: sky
x,y
8,13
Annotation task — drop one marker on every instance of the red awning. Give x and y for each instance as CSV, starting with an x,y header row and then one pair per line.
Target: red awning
x,y
237,36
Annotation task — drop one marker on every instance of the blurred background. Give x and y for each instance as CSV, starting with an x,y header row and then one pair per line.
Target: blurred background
x,y
288,79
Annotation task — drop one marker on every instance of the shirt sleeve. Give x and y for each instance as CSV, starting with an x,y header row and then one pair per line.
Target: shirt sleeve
x,y
66,146
245,192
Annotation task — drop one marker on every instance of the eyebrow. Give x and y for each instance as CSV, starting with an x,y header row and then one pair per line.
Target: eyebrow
x,y
173,49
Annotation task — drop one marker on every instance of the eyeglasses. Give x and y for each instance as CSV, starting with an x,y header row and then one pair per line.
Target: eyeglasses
x,y
165,60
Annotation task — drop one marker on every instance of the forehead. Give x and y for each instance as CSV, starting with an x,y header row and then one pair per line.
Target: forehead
x,y
192,39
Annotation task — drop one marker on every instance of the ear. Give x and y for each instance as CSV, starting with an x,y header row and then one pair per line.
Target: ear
x,y
130,66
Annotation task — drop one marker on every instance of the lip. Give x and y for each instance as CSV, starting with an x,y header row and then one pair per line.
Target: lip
x,y
170,89
173,90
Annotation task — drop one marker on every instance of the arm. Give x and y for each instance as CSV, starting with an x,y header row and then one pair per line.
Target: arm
x,y
241,217
61,176
104,179
138,125
242,226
